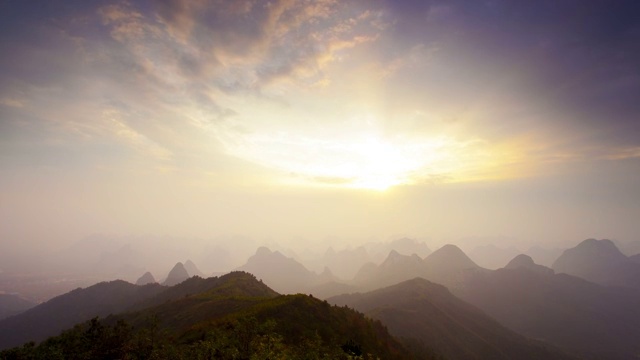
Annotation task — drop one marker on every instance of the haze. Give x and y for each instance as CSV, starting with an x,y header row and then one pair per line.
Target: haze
x,y
187,128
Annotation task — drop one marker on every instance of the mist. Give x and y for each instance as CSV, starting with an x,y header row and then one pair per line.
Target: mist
x,y
479,160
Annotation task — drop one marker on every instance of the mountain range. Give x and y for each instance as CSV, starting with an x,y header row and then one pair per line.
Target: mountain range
x,y
523,261
441,305
286,275
447,265
601,262
584,318
66,310
428,314
579,316
233,316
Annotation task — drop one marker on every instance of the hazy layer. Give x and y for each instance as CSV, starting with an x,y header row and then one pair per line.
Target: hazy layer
x,y
295,122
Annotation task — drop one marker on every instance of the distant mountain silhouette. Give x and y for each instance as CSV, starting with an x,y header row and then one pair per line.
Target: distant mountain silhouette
x,y
449,258
404,246
326,276
394,269
408,246
13,304
285,274
447,265
635,258
177,275
64,311
145,279
431,316
526,262
192,269
579,316
601,262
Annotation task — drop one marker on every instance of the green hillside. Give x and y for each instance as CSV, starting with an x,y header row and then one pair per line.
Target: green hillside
x,y
237,318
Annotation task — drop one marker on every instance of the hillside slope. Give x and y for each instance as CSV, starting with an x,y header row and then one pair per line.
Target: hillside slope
x,y
237,318
601,262
581,317
66,310
430,314
13,304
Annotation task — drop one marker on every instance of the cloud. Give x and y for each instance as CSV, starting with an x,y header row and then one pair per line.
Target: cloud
x,y
625,153
12,102
131,137
176,70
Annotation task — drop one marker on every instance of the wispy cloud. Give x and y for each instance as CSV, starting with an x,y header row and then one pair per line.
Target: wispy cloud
x,y
202,77
12,102
133,138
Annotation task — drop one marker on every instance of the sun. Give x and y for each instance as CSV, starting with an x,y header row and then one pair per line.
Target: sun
x,y
375,163
378,164
355,160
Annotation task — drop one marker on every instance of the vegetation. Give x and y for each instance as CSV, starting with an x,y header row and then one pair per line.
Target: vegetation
x,y
238,318
241,339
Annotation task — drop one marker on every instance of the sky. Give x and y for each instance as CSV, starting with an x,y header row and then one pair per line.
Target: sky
x,y
302,121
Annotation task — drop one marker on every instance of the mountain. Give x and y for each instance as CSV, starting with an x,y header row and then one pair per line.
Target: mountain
x,y
192,269
394,269
526,262
635,258
449,258
177,275
236,317
449,266
581,317
408,246
145,279
601,262
284,274
79,305
13,304
378,251
430,315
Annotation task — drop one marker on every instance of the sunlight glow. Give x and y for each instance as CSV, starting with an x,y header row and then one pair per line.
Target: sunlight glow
x,y
359,161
